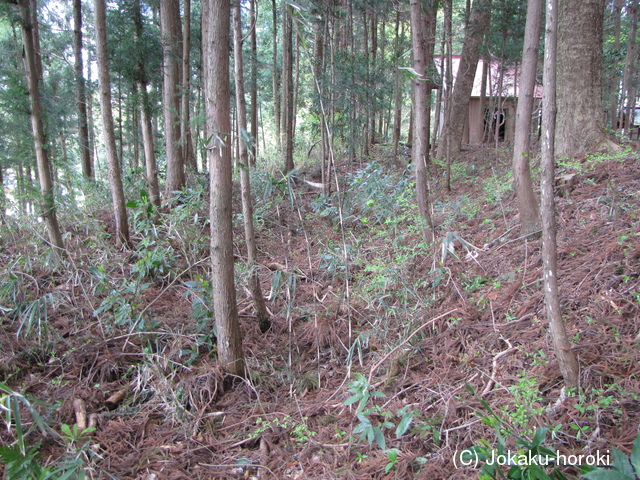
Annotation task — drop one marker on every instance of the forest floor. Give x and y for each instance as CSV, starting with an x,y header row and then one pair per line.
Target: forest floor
x,y
444,344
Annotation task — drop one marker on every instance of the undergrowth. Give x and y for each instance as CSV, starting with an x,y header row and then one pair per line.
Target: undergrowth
x,y
351,283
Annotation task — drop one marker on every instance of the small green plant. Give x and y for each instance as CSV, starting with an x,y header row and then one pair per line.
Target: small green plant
x,y
361,457
153,263
361,393
73,436
392,456
526,403
202,308
519,463
298,430
623,467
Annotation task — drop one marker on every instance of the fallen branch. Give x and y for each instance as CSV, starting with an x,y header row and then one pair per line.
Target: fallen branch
x,y
489,386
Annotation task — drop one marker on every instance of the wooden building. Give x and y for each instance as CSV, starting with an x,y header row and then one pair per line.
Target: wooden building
x,y
496,110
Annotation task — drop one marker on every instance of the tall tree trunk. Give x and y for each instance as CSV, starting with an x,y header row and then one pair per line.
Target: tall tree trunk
x,y
422,15
151,168
296,84
120,129
562,346
398,86
135,127
29,36
580,123
253,83
247,206
367,85
199,108
3,202
458,106
33,5
215,37
188,154
630,76
86,159
113,165
527,204
171,57
614,78
444,144
287,86
92,128
372,72
319,84
435,135
277,113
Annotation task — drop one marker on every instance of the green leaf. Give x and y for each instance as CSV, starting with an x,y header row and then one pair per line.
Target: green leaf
x,y
539,474
539,437
635,455
604,474
404,424
392,454
411,72
621,463
379,437
353,399
66,429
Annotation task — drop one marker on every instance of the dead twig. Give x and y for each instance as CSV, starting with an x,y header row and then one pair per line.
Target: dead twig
x,y
489,386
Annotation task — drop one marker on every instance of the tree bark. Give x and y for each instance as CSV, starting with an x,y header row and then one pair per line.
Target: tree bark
x,y
367,84
562,346
372,73
151,168
135,127
580,122
188,154
458,106
86,159
113,165
614,78
3,202
630,80
171,55
91,118
277,108
215,37
444,143
527,204
247,207
422,15
399,86
29,36
253,84
287,86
